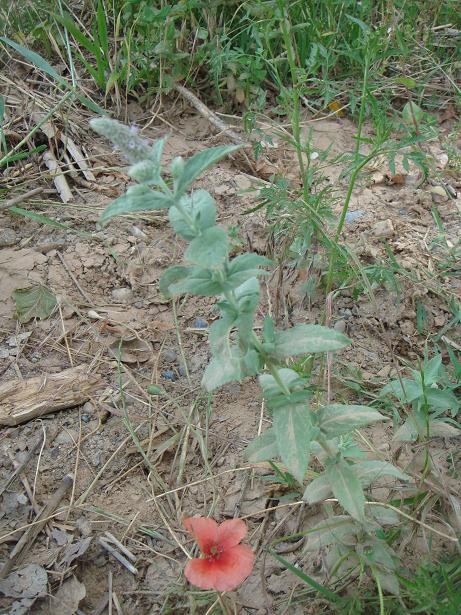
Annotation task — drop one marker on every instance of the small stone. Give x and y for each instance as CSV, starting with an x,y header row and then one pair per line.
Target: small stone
x,y
200,323
222,189
137,232
242,182
7,237
122,295
352,216
4,353
168,374
86,418
407,327
67,436
383,229
340,326
169,356
182,371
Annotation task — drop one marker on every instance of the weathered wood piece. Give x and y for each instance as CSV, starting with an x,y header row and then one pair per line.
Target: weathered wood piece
x,y
23,400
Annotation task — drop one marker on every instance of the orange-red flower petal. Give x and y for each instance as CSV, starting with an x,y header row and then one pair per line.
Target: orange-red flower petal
x,y
224,573
205,531
231,532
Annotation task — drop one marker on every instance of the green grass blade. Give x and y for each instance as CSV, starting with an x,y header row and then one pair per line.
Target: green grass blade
x,y
324,591
40,62
102,29
68,23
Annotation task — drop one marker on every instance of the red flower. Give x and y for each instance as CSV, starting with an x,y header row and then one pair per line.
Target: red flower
x,y
225,563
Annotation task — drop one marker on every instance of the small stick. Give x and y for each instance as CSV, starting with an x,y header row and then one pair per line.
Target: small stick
x,y
20,467
118,556
28,538
110,591
111,538
20,198
208,114
74,279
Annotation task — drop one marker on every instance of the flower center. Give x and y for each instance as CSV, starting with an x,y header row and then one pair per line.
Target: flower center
x,y
215,552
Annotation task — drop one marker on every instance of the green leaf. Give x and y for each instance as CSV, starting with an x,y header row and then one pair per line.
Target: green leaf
x,y
46,67
173,275
432,370
369,471
145,172
137,198
442,400
199,163
411,113
262,448
335,530
221,370
318,490
210,249
388,581
384,516
201,208
156,152
294,432
347,488
339,419
411,390
198,282
244,267
442,429
33,302
306,339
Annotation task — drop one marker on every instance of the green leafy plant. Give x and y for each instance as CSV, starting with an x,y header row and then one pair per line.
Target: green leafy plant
x,y
430,395
300,428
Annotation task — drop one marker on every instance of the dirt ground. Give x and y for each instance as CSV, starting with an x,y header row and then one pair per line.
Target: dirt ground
x,y
108,298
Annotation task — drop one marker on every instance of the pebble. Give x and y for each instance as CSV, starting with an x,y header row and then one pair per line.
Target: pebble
x,y
86,418
122,295
7,237
340,326
383,229
182,371
168,374
169,356
346,313
67,436
352,216
200,323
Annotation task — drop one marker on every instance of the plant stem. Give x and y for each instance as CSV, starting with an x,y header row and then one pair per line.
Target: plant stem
x,y
354,175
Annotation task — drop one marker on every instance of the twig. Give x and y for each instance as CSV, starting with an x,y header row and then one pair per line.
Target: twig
x,y
74,279
20,198
28,538
208,114
23,464
118,556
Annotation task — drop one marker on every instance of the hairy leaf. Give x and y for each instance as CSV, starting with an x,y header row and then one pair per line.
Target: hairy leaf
x,y
318,490
263,447
369,471
198,282
209,249
199,163
173,275
347,488
201,208
294,432
339,419
137,198
305,339
335,530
